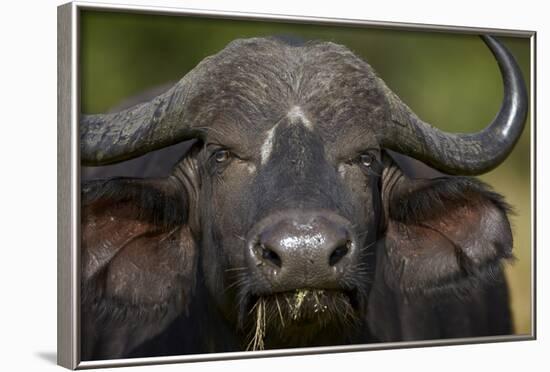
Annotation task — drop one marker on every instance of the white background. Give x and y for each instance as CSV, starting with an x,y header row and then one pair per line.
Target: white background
x,y
28,184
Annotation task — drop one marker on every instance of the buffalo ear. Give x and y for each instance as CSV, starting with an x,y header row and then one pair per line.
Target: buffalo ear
x,y
443,235
138,262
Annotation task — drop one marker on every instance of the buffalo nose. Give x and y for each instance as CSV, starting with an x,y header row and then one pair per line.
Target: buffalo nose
x,y
299,249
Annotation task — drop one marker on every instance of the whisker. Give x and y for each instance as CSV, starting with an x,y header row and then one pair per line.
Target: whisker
x,y
239,237
370,245
236,283
236,269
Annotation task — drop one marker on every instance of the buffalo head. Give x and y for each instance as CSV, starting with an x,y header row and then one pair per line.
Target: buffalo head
x,y
288,210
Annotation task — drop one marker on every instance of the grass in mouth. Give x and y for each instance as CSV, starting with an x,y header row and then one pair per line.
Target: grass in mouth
x,y
257,341
286,306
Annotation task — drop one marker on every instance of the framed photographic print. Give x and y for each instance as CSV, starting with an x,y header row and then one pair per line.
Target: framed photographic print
x,y
240,185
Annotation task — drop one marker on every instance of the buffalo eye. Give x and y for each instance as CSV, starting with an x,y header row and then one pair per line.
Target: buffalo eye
x,y
221,156
367,160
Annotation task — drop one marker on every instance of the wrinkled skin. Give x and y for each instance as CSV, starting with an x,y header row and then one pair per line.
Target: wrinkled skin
x,y
175,256
313,153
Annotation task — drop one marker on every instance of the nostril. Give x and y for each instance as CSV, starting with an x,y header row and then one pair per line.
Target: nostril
x,y
339,253
269,255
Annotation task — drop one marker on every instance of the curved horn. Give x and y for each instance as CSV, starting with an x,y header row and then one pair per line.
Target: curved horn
x,y
161,122
471,154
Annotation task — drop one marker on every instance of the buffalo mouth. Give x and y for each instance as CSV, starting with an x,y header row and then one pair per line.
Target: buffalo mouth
x,y
297,317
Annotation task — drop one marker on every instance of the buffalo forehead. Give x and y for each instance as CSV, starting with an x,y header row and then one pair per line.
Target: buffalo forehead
x,y
255,83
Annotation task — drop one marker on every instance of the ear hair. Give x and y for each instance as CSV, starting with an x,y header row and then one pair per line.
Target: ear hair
x,y
159,201
417,200
442,235
138,262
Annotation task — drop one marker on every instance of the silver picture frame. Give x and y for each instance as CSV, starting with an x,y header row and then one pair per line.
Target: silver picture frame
x,y
68,181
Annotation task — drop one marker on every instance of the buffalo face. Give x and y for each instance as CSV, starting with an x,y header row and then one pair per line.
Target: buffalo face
x,y
289,203
288,206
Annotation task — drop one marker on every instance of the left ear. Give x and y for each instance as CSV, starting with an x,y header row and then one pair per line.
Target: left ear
x,y
442,235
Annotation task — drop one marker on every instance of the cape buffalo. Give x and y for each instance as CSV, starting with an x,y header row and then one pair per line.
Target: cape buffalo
x,y
288,223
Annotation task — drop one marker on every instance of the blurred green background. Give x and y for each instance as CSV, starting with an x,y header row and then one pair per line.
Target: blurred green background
x,y
450,80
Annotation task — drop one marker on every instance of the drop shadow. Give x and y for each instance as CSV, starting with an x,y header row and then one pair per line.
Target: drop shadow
x,y
48,356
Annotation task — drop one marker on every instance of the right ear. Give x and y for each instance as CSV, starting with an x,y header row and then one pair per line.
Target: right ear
x,y
138,259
